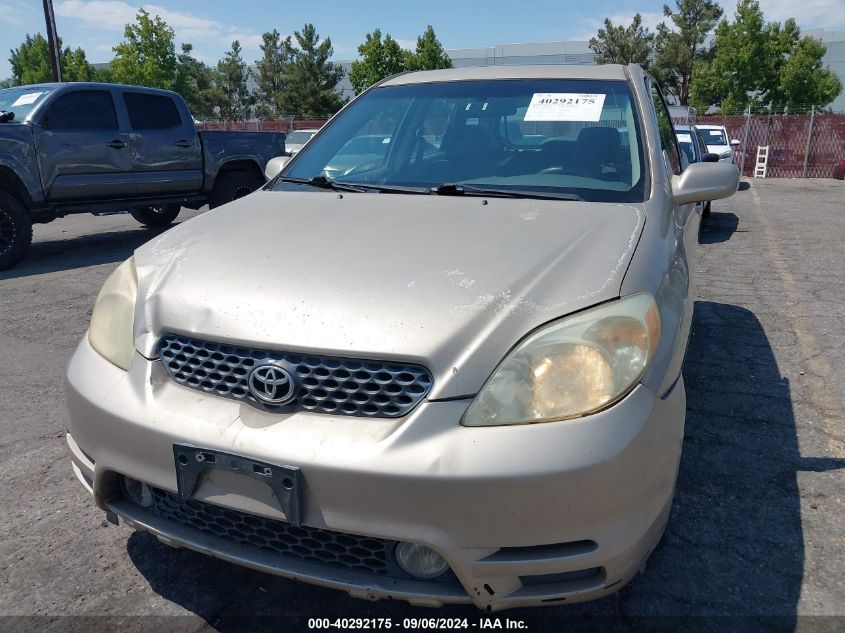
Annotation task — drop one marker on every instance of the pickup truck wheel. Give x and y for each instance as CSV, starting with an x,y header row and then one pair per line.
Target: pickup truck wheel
x,y
156,216
15,231
232,185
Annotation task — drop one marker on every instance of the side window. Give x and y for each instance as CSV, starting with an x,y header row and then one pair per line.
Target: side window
x,y
151,112
701,143
80,111
668,141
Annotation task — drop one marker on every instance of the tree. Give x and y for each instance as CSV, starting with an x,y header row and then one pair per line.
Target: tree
x,y
147,54
735,76
31,62
379,59
678,49
758,64
195,82
623,45
803,81
271,74
312,79
429,54
75,66
383,58
230,93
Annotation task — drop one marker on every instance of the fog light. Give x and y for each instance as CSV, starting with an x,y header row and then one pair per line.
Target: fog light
x,y
139,493
420,561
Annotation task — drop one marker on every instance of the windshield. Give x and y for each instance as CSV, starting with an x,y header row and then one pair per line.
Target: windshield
x,y
298,138
546,136
715,137
21,100
687,146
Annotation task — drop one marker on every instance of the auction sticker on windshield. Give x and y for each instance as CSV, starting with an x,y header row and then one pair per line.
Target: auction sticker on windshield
x,y
27,99
564,106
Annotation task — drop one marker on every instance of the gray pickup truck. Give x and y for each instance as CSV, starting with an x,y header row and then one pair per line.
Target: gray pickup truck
x,y
106,148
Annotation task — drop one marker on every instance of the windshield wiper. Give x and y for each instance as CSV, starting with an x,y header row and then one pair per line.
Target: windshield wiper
x,y
321,182
324,182
392,188
458,189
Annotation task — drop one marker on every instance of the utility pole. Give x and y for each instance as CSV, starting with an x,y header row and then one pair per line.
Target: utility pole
x,y
745,139
809,138
53,41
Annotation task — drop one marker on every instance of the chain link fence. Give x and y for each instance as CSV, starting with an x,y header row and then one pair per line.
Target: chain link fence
x,y
807,145
288,124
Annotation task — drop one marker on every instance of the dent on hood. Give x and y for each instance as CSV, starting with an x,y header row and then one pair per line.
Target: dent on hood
x,y
155,263
503,306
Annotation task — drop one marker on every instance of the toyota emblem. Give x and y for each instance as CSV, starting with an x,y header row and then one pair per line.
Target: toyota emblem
x,y
271,384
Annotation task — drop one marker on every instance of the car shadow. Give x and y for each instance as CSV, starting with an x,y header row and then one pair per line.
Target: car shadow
x,y
719,227
733,551
48,256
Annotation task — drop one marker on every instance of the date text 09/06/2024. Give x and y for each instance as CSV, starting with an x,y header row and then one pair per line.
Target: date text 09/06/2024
x,y
417,624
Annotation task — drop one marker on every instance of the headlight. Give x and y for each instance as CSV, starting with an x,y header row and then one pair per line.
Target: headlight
x,y
726,154
573,367
110,332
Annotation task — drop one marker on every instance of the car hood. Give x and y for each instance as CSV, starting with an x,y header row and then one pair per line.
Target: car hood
x,y
449,282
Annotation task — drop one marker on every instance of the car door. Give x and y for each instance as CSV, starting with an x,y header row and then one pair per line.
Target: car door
x,y
165,145
82,152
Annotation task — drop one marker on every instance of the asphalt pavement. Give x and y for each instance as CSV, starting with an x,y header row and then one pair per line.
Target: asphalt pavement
x,y
756,538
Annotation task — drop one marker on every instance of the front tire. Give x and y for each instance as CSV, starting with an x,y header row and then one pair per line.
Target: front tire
x,y
231,185
15,231
156,216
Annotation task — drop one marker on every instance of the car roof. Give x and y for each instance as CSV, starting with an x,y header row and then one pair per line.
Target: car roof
x,y
683,127
710,127
91,85
539,71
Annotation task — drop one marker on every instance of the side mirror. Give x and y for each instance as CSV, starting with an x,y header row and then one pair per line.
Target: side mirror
x,y
734,143
701,182
275,166
710,157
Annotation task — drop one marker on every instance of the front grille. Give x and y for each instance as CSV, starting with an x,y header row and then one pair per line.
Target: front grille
x,y
341,386
335,549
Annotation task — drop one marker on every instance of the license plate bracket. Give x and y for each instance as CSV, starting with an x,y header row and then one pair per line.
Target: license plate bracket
x,y
284,481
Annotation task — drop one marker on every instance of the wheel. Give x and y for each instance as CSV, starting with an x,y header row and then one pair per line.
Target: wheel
x,y
15,231
231,185
706,212
156,216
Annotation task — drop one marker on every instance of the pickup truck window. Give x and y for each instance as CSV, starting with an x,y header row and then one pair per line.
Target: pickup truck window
x,y
151,112
21,101
85,110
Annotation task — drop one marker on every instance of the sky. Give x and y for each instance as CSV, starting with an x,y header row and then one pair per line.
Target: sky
x,y
211,25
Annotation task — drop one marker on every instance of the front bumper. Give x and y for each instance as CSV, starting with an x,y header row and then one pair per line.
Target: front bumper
x,y
504,505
